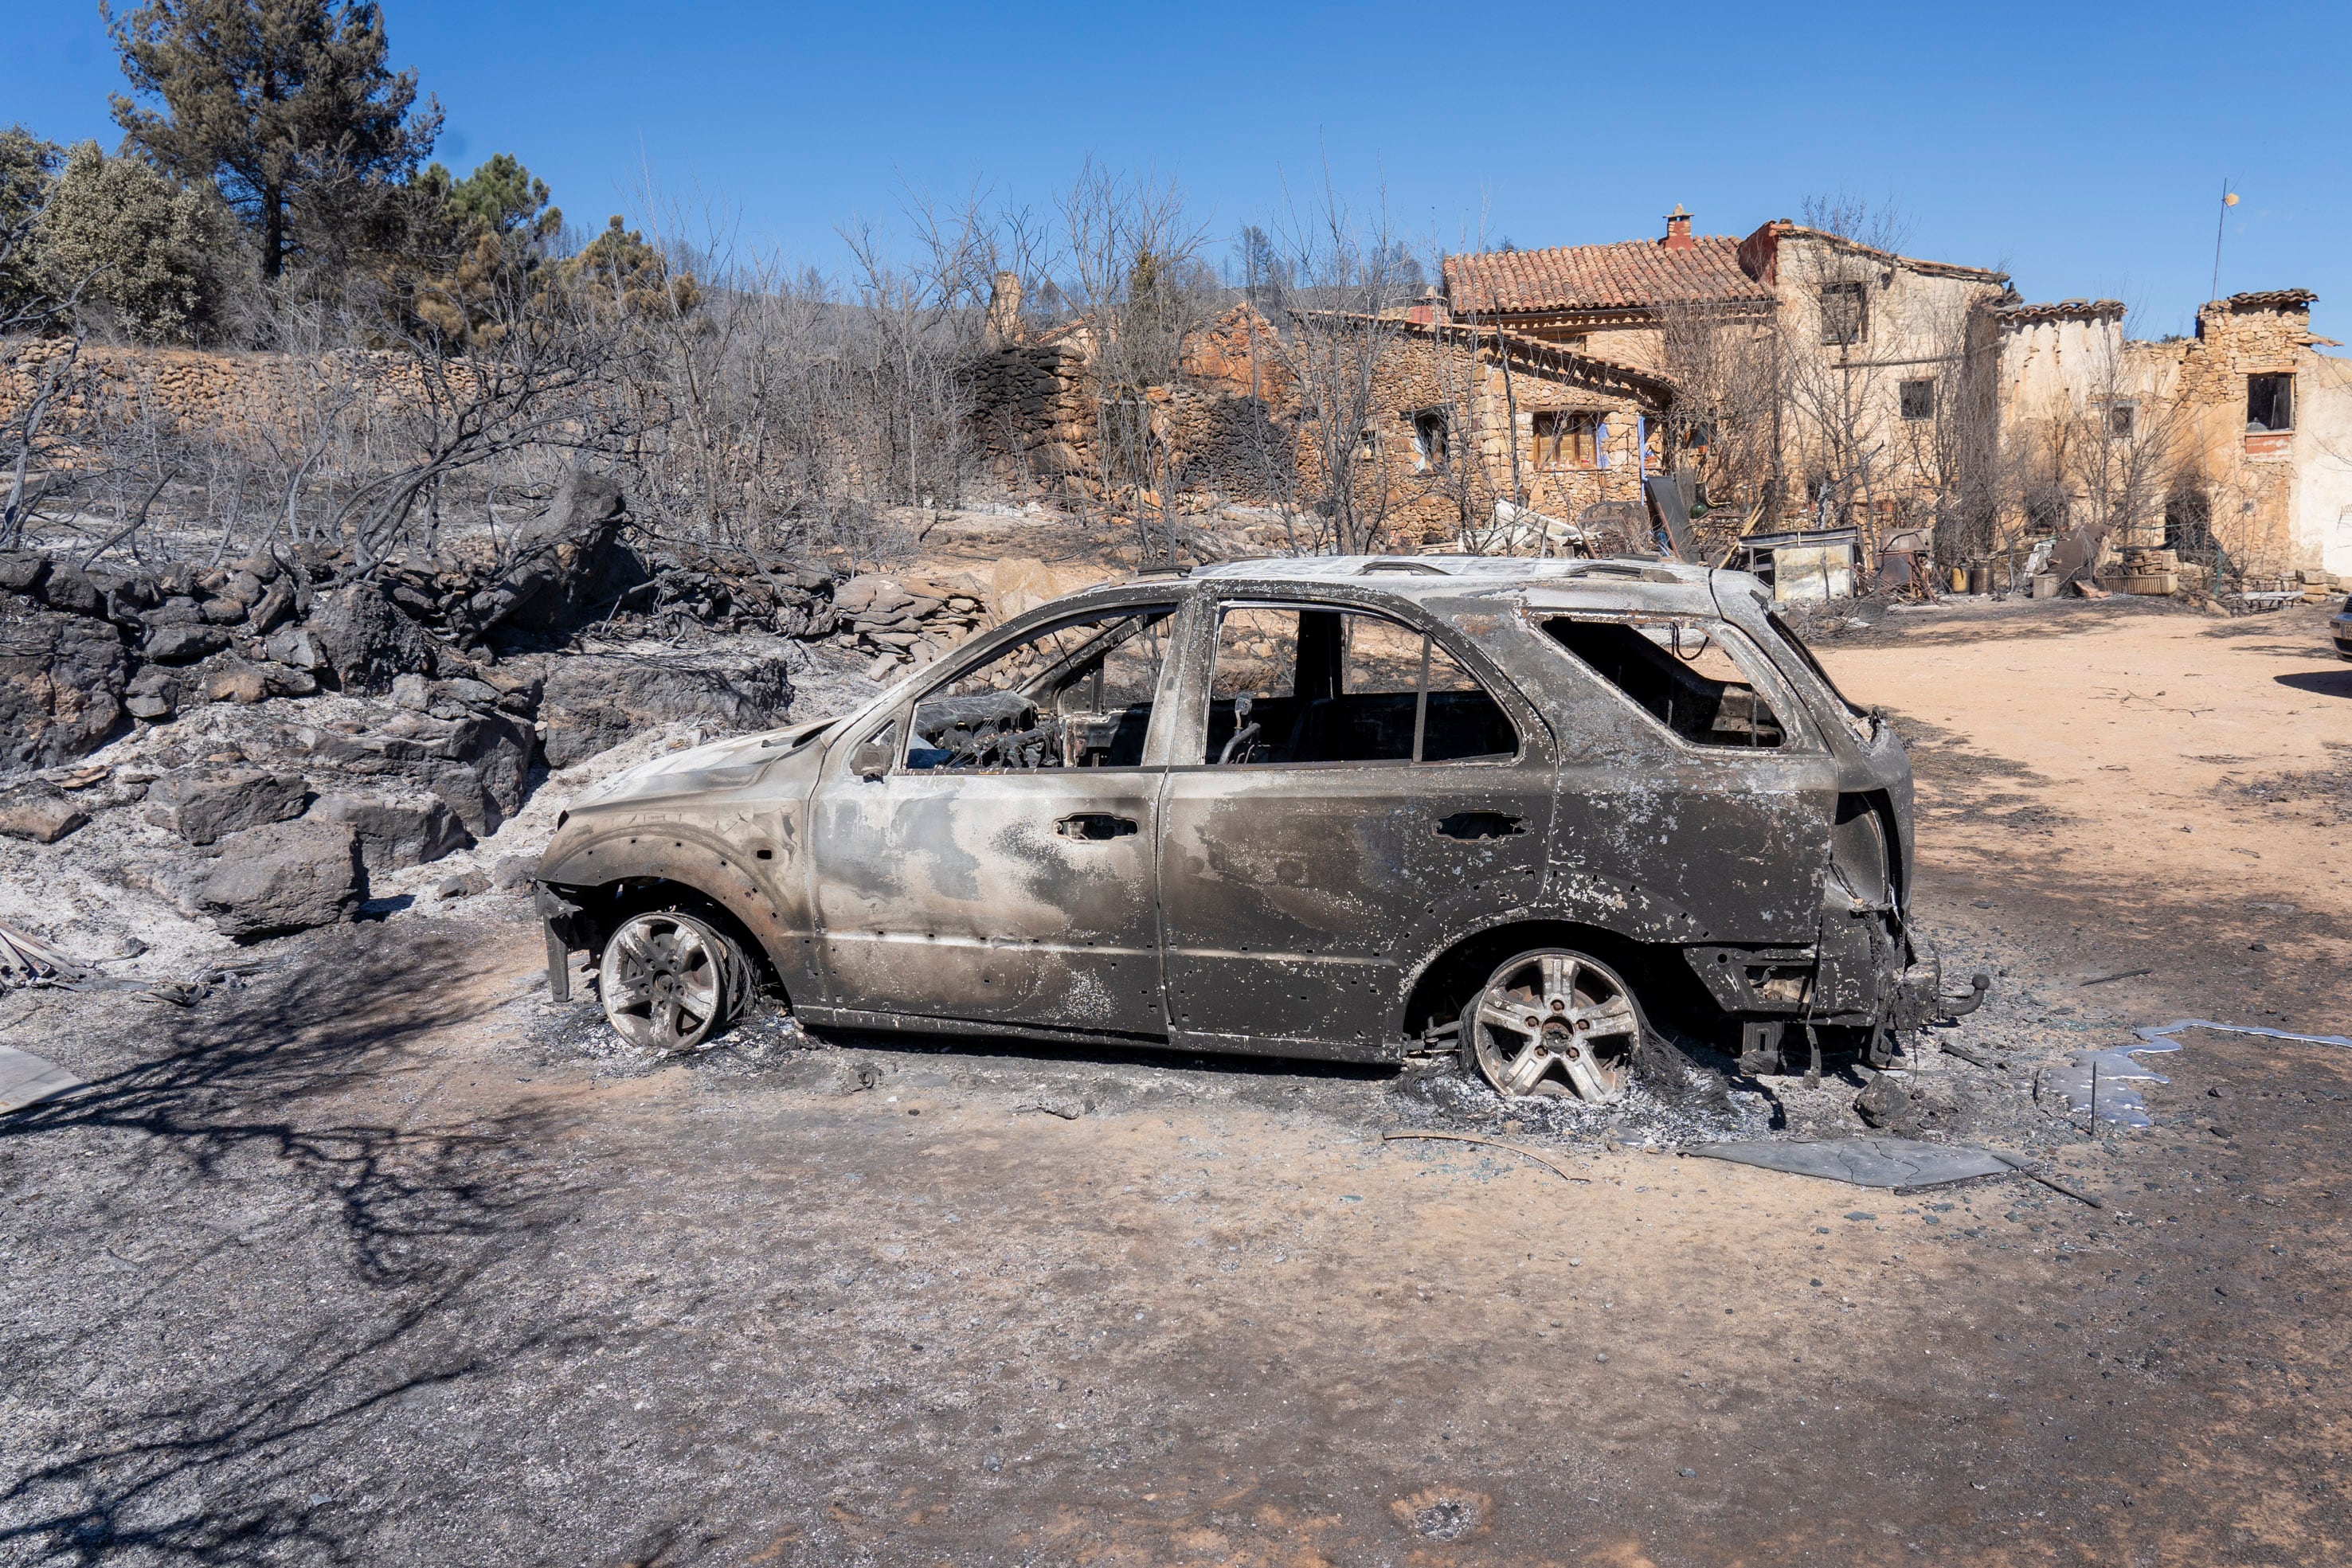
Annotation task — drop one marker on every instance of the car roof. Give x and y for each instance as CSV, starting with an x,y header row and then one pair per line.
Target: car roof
x,y
1455,576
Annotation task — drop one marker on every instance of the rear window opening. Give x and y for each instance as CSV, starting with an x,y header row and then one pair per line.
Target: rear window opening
x,y
1679,672
1858,718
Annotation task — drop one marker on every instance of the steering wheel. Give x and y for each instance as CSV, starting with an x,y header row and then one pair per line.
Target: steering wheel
x,y
990,747
1243,736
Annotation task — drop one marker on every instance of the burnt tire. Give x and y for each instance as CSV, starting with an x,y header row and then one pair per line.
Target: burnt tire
x,y
1553,1023
672,981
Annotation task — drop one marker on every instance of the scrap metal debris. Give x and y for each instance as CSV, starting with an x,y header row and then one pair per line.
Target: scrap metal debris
x,y
28,1080
2026,1167
28,960
1491,1144
1864,1162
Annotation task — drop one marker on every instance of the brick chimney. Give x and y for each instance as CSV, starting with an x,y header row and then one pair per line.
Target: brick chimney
x,y
1678,235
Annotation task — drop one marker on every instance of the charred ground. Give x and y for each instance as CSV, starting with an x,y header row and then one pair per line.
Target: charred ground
x,y
374,1257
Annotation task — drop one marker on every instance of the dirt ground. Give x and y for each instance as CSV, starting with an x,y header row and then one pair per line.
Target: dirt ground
x,y
380,1258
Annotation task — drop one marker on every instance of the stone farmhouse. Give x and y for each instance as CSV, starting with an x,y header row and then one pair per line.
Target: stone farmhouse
x,y
1902,397
1433,429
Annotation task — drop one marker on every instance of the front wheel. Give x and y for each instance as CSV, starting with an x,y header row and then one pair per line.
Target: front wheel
x,y
1553,1023
671,981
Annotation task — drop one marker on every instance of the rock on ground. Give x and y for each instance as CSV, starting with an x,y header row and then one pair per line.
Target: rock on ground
x,y
594,702
61,684
205,804
561,559
287,876
41,813
366,640
477,763
396,833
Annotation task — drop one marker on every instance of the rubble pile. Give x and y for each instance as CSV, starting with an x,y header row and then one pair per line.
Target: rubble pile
x,y
2159,571
907,620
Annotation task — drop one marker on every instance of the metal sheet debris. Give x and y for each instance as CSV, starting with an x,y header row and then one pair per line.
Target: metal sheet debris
x,y
28,1080
2099,1082
1864,1162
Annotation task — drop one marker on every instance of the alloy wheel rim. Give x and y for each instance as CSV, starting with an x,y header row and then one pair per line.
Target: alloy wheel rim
x,y
663,981
1555,1024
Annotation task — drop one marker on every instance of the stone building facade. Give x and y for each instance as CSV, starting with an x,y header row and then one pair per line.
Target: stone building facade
x,y
2266,426
2248,422
1863,345
1457,418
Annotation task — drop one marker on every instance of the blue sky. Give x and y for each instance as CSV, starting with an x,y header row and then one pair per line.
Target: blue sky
x,y
2082,147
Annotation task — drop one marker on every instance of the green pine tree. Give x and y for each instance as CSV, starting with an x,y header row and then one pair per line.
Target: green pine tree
x,y
475,248
287,107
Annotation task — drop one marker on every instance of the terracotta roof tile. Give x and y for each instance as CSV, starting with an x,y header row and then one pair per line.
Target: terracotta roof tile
x,y
2272,300
1628,275
2062,310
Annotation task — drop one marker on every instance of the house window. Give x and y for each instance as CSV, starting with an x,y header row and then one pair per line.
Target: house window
x,y
2270,403
1918,399
1568,440
2121,419
1845,313
1428,440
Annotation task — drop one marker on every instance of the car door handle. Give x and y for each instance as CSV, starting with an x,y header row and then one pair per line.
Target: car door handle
x,y
1095,826
1475,825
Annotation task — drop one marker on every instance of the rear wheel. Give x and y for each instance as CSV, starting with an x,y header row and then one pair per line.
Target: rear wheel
x,y
1553,1023
671,981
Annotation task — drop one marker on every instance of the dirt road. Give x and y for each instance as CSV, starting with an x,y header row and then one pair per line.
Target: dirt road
x,y
379,1260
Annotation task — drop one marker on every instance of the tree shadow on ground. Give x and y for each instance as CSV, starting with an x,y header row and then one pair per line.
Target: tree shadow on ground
x,y
240,1281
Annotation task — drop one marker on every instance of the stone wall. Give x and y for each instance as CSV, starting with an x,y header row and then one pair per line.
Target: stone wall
x,y
188,389
2280,501
1035,419
1232,430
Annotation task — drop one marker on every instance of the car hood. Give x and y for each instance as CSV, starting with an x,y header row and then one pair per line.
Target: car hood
x,y
728,764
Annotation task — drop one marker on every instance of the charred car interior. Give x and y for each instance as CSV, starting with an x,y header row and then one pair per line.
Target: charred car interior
x,y
1539,813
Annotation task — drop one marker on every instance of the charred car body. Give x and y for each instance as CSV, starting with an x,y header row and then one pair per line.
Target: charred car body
x,y
1351,807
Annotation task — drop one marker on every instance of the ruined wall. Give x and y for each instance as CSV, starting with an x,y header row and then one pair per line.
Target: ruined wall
x,y
1034,415
2281,500
2050,357
2320,501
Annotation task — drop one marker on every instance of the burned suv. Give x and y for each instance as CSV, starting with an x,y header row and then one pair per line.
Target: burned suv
x,y
1539,811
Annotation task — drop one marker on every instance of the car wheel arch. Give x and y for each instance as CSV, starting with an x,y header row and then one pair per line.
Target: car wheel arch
x,y
634,869
1437,987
